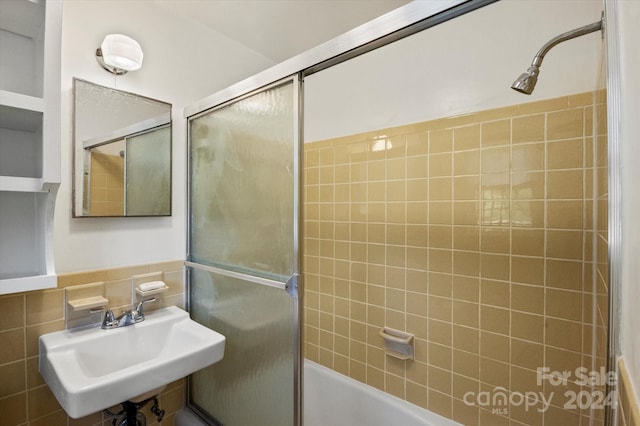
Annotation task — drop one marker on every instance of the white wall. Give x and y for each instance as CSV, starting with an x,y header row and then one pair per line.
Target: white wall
x,y
183,63
461,66
628,18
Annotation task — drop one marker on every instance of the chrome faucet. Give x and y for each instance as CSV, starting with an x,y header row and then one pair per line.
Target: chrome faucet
x,y
126,317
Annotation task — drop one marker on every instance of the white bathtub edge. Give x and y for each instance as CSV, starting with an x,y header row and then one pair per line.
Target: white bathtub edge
x,y
385,398
186,417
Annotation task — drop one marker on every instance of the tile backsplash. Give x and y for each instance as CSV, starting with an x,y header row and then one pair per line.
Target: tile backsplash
x,y
24,397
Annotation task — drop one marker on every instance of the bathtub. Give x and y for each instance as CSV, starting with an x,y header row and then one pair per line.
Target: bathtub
x,y
333,399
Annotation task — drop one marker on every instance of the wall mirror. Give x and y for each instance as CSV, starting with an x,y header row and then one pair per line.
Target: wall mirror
x,y
122,153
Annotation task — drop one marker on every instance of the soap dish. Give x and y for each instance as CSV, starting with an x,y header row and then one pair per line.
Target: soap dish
x,y
397,344
88,303
151,292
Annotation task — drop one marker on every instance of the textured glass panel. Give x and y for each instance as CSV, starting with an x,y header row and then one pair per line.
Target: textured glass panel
x,y
148,173
242,185
253,384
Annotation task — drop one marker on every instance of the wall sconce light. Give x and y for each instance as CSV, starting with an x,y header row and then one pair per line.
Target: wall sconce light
x,y
119,54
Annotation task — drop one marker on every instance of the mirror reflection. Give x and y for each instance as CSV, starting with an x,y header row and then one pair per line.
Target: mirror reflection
x,y
122,148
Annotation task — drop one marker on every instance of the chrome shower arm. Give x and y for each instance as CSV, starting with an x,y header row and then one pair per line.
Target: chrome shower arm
x,y
526,82
587,29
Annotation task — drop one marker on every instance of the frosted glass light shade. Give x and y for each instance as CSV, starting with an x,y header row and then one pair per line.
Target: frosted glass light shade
x,y
120,51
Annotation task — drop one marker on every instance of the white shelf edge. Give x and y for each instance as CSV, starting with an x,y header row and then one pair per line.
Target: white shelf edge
x,y
19,285
21,184
18,100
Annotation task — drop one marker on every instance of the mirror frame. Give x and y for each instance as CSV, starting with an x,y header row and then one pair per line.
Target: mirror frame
x,y
74,148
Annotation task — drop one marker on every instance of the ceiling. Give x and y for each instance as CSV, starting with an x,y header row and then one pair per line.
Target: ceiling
x,y
280,29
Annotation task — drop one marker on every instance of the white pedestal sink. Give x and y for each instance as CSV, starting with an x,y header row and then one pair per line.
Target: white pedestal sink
x,y
90,370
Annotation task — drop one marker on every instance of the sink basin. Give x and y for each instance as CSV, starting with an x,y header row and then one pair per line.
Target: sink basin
x,y
90,370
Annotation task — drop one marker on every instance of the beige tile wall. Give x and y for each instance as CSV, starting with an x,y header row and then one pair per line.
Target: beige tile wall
x,y
629,410
107,185
24,397
479,235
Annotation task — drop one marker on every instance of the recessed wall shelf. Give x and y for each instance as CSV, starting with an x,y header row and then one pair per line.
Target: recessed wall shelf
x,y
30,35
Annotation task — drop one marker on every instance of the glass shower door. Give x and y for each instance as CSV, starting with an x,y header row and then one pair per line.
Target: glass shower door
x,y
243,260
148,173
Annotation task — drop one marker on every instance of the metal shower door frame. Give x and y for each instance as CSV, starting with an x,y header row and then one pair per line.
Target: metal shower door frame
x,y
293,284
395,25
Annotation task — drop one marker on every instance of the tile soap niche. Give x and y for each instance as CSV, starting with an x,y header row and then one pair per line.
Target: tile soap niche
x,y
397,344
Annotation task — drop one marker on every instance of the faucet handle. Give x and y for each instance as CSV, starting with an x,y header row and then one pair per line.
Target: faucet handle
x,y
109,319
139,314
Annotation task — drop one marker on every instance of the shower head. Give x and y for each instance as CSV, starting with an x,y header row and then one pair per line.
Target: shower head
x,y
527,80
